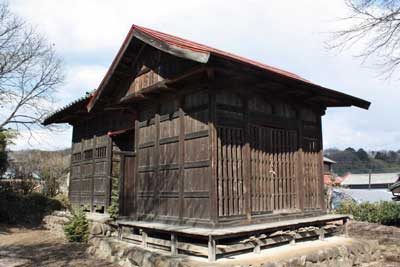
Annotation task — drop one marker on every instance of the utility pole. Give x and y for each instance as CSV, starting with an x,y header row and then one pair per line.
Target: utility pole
x,y
369,180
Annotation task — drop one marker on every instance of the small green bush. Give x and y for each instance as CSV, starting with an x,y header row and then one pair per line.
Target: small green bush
x,y
385,212
113,211
77,230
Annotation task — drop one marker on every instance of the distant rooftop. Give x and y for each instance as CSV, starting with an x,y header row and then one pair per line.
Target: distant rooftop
x,y
376,178
328,160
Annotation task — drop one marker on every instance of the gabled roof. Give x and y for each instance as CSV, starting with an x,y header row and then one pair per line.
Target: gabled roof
x,y
201,53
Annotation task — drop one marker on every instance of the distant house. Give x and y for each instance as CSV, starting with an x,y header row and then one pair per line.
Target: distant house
x,y
328,172
362,181
328,163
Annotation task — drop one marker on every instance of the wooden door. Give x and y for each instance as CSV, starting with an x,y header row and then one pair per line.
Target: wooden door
x,y
273,183
127,188
231,198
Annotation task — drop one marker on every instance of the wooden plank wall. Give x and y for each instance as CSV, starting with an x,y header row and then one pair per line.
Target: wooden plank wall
x,y
173,159
280,173
90,172
273,169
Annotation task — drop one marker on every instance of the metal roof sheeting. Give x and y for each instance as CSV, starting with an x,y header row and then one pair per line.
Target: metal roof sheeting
x,y
376,178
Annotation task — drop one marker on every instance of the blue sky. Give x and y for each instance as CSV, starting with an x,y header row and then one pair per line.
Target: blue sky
x,y
287,34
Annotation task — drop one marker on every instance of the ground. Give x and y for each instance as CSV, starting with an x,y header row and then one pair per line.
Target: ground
x,y
27,247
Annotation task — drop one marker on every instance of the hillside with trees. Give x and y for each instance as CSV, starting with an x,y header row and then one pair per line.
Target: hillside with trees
x,y
50,167
361,161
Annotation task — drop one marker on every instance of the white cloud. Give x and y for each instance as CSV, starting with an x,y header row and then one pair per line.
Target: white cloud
x,y
79,80
286,34
43,139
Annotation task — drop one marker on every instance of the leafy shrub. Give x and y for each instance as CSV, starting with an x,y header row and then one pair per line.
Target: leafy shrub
x,y
77,230
385,212
21,186
113,211
26,209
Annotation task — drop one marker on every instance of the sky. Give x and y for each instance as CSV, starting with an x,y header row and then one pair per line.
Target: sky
x,y
291,35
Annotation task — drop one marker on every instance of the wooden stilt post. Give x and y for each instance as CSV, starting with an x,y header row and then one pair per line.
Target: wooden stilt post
x,y
257,248
212,254
321,234
144,239
174,244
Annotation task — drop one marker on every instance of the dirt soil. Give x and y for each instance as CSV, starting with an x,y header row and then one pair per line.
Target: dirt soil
x,y
23,247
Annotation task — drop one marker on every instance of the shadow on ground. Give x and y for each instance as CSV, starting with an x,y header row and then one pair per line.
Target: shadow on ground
x,y
40,248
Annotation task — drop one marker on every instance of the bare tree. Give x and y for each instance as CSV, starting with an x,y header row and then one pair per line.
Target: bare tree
x,y
375,26
30,71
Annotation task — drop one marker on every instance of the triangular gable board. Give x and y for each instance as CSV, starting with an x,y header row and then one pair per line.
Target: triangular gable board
x,y
142,68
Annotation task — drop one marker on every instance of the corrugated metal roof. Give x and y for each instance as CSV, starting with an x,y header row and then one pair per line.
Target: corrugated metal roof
x,y
83,100
329,160
376,178
198,52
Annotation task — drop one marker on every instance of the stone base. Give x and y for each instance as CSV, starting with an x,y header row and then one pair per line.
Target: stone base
x,y
334,252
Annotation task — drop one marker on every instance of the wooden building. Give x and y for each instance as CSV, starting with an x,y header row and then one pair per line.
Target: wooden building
x,y
203,137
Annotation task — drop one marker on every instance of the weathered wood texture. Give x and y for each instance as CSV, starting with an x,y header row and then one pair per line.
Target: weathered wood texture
x,y
93,163
272,164
90,175
172,147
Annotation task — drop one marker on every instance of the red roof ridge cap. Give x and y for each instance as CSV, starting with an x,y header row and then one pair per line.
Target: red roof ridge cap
x,y
194,46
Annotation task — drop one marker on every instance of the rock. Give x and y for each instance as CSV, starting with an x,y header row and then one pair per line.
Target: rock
x,y
96,229
104,248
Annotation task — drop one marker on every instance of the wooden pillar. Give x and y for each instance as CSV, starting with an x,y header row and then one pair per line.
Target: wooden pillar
x,y
213,156
300,179
321,234
212,249
136,175
181,160
121,195
174,244
257,248
321,187
109,155
144,239
300,167
156,197
247,161
93,173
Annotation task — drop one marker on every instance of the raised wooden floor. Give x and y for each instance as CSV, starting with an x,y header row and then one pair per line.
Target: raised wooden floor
x,y
213,242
